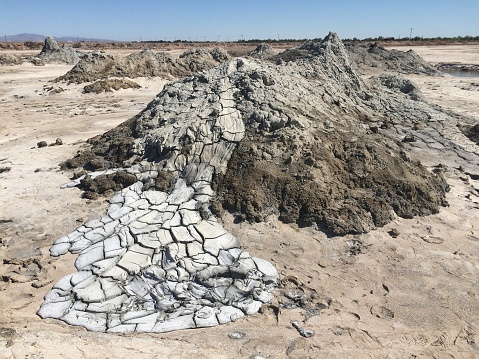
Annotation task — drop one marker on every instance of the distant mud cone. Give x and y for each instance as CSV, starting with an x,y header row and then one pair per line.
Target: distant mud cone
x,y
54,53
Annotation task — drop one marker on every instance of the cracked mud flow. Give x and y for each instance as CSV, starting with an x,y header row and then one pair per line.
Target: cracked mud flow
x,y
160,261
300,136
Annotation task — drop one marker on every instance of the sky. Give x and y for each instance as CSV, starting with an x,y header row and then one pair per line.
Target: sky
x,y
231,20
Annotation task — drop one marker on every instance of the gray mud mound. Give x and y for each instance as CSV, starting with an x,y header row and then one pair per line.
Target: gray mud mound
x,y
305,139
262,51
99,65
54,53
376,56
110,85
8,59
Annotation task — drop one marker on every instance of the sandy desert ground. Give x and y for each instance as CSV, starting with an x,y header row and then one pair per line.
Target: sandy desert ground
x,y
407,290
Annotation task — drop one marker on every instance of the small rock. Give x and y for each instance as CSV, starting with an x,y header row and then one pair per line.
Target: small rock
x,y
393,233
409,138
41,283
58,141
42,144
37,62
9,334
90,195
237,335
303,332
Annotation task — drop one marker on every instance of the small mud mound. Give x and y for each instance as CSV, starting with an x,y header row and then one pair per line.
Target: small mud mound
x,y
263,51
144,64
110,85
402,85
8,59
100,65
196,60
329,49
93,66
54,53
473,68
373,55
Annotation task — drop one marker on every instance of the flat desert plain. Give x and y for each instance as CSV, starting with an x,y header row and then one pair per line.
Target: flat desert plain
x,y
407,290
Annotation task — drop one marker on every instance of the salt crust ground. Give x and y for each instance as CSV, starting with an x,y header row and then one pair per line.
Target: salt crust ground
x,y
414,295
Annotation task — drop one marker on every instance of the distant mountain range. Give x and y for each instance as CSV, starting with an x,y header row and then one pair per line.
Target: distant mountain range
x,y
41,38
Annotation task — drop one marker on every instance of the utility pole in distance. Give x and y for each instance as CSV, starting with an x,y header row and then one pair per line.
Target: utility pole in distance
x,y
410,34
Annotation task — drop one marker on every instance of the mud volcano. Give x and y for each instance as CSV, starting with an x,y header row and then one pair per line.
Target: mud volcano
x,y
54,53
301,137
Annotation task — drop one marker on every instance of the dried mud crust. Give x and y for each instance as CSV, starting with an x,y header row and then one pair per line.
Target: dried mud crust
x,y
342,186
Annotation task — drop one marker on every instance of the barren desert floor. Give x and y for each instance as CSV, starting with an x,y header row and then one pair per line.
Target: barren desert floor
x,y
407,290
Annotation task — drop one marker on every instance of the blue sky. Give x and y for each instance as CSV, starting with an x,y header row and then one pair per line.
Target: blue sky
x,y
231,19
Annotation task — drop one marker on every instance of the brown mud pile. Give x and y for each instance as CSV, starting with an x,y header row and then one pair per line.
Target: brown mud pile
x,y
110,85
339,184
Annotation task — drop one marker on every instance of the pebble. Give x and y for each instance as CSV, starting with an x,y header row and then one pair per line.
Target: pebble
x,y
237,335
